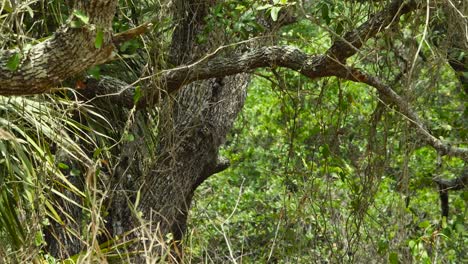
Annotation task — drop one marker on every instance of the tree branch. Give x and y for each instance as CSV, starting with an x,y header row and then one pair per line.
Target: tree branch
x,y
312,66
445,186
354,40
456,184
26,80
391,97
119,38
69,52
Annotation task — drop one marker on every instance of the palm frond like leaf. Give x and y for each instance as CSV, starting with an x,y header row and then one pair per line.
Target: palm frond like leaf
x,y
37,136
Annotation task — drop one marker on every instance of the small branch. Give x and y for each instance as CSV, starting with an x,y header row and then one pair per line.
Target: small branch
x,y
312,66
119,92
444,202
391,97
456,184
120,38
445,186
354,40
221,164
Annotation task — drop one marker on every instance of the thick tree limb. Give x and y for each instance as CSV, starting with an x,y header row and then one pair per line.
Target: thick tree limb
x,y
118,91
69,52
38,69
312,66
354,40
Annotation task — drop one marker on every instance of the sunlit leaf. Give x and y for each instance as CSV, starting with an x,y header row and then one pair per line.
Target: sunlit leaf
x,y
81,16
6,5
13,62
263,7
137,95
274,12
30,11
99,39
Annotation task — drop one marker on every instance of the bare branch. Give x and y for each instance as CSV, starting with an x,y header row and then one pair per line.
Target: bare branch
x,y
445,186
131,33
354,40
312,66
458,183
391,97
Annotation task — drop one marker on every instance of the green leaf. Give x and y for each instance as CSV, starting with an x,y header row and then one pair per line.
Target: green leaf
x,y
126,44
325,13
38,239
97,152
75,172
424,224
137,199
30,11
263,7
137,95
382,246
13,62
6,6
99,39
76,24
393,258
95,71
325,150
339,28
63,166
129,137
274,12
314,131
81,16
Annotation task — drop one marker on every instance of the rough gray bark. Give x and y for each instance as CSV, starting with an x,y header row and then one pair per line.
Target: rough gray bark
x,y
193,125
68,52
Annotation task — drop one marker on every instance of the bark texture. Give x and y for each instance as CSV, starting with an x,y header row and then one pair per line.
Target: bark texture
x,y
193,125
68,52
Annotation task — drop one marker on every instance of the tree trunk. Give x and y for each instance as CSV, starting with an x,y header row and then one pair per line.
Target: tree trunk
x,y
192,126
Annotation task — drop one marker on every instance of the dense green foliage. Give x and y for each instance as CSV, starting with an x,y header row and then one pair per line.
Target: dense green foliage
x,y
321,170
309,181
293,194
